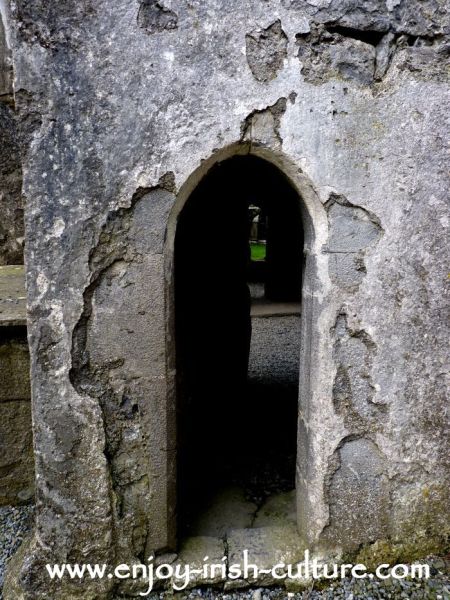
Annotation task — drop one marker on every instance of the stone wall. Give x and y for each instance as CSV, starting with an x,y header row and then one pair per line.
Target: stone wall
x,y
11,221
132,102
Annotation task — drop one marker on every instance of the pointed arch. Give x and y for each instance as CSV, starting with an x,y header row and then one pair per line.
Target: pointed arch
x,y
315,229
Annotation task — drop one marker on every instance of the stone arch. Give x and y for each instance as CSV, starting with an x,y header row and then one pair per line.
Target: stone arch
x,y
315,280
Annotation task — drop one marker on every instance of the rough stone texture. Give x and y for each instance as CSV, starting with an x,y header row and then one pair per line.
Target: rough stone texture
x,y
108,109
114,359
266,50
358,493
6,74
356,41
11,210
353,389
327,55
352,231
15,525
154,17
11,223
262,126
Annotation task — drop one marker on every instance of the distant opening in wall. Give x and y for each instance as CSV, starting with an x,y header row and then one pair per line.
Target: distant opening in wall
x,y
274,270
238,244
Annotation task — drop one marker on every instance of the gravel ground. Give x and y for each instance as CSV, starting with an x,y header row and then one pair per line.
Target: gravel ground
x,y
15,523
275,350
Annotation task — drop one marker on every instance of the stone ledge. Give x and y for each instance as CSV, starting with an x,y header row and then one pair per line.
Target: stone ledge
x,y
13,307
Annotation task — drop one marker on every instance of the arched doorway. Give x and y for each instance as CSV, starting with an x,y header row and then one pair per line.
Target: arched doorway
x,y
238,271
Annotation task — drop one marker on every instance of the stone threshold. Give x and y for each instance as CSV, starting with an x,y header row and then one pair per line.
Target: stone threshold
x,y
230,525
264,308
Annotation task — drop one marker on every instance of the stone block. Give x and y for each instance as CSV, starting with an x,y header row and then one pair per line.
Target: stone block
x,y
16,453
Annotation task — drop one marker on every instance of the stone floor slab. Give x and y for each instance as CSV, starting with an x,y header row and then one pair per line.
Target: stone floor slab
x,y
266,547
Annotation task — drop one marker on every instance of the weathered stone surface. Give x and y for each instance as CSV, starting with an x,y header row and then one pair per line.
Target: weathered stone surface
x,y
154,17
358,493
333,55
430,18
11,223
266,50
357,41
353,230
262,126
6,73
108,109
353,389
11,210
126,372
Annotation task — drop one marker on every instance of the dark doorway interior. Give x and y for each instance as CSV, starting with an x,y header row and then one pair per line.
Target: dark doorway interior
x,y
236,422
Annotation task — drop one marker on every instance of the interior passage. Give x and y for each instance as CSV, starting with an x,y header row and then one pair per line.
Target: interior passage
x,y
238,247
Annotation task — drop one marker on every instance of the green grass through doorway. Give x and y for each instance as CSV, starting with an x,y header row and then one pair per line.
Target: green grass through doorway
x,y
257,251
